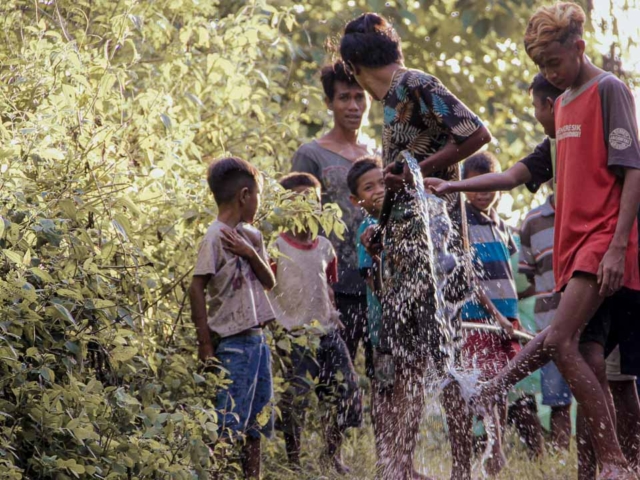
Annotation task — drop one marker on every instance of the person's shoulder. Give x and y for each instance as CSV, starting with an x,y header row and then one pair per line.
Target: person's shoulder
x,y
214,231
252,234
308,149
532,214
609,82
418,78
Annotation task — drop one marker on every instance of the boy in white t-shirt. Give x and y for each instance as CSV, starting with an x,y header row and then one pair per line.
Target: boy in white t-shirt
x,y
305,269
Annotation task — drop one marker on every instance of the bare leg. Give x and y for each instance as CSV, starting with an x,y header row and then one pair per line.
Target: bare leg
x,y
496,461
334,437
459,423
251,458
292,445
625,397
561,427
593,354
407,400
587,464
382,416
579,303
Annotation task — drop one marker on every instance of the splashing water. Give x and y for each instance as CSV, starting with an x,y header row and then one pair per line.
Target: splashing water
x,y
424,292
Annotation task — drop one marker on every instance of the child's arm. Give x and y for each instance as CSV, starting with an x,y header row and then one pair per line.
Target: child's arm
x,y
611,270
517,175
234,243
503,321
199,315
533,170
623,154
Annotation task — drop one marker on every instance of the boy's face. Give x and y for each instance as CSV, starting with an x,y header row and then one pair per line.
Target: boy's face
x,y
370,192
483,201
350,105
543,111
250,202
560,63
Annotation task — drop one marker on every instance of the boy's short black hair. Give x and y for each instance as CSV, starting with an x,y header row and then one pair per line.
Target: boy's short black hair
x,y
370,41
358,169
542,88
330,74
226,176
298,179
481,162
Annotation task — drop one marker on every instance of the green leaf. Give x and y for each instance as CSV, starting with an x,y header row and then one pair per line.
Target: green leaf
x,y
65,292
64,313
42,275
123,354
13,256
481,28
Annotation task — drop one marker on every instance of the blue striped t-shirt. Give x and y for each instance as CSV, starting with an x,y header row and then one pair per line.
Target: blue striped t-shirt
x,y
492,247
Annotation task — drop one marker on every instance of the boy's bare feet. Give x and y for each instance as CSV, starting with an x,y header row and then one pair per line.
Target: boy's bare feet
x,y
616,472
494,463
339,467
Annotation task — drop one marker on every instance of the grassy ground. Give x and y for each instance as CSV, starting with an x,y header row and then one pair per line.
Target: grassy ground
x,y
432,456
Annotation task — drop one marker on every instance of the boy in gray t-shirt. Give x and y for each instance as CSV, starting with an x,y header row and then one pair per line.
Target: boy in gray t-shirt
x,y
233,270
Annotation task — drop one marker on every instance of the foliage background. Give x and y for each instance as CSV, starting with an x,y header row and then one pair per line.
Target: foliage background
x,y
110,111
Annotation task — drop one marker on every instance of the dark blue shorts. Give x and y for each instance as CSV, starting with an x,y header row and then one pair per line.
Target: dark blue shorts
x,y
245,406
555,390
331,374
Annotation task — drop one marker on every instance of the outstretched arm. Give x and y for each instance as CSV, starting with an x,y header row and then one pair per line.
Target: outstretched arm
x,y
490,182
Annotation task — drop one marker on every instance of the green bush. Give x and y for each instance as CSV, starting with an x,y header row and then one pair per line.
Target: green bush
x,y
110,111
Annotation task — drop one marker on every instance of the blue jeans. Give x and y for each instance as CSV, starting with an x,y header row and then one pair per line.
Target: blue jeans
x,y
245,405
555,390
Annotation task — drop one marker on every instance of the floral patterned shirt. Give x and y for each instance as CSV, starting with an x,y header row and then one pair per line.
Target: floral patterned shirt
x,y
421,115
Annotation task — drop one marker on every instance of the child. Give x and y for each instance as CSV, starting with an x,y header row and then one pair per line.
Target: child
x,y
305,268
233,270
366,183
595,260
495,292
536,263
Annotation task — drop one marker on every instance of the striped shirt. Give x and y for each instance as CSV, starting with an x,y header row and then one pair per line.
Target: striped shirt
x,y
536,260
492,247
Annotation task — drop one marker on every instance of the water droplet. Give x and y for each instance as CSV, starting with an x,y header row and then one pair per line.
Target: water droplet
x,y
455,14
427,39
388,4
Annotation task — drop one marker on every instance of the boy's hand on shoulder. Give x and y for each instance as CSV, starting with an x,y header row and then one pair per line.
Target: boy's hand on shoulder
x,y
233,242
611,270
438,186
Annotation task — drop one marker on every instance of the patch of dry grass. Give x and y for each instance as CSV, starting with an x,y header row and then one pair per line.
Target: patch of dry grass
x,y
433,457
